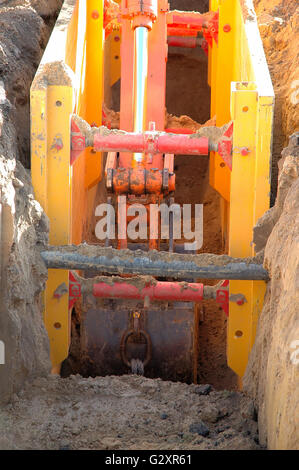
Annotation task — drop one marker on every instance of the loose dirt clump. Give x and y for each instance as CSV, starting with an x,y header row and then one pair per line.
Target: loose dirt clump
x,y
127,412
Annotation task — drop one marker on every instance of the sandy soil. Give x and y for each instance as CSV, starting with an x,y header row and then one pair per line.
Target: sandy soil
x,y
126,413
278,22
272,376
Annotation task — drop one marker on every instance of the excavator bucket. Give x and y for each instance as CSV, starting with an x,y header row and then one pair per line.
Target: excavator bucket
x,y
166,337
104,177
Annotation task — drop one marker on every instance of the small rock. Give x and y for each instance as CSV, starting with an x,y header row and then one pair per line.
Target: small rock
x,y
199,428
222,428
223,412
210,414
203,389
163,416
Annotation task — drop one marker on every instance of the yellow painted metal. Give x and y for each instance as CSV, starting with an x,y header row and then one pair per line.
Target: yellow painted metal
x,y
244,110
115,61
239,60
222,75
70,78
51,176
249,200
245,192
89,72
86,59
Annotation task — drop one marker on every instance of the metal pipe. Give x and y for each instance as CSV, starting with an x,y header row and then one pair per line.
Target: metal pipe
x,y
167,291
182,41
140,81
152,142
177,267
179,130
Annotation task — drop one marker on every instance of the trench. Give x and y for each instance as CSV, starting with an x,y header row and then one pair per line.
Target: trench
x,y
187,93
88,413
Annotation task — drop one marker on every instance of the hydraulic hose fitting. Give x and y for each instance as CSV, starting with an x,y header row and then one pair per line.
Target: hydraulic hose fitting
x,y
142,12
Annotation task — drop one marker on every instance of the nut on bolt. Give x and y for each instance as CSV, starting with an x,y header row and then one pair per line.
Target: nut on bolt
x,y
245,151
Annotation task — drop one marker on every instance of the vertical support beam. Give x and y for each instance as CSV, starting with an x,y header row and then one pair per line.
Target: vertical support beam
x,y
52,103
212,63
89,74
51,175
243,319
126,87
87,170
156,82
114,40
157,58
222,75
94,83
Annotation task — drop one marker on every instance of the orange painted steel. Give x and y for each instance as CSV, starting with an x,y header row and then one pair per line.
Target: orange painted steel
x,y
139,181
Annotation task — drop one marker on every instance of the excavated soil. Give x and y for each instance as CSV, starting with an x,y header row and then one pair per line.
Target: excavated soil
x,y
278,22
126,413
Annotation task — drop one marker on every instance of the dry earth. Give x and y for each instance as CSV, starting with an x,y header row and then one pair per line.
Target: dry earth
x,y
127,412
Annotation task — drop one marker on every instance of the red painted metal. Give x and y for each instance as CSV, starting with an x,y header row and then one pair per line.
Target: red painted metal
x,y
74,290
179,130
245,151
222,297
190,23
163,291
211,30
151,143
182,41
78,141
181,31
225,146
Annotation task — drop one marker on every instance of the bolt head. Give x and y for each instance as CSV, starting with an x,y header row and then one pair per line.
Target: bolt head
x,y
227,28
95,14
244,151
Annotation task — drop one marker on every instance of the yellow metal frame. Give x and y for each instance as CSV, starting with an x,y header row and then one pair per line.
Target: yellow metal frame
x,y
70,79
241,90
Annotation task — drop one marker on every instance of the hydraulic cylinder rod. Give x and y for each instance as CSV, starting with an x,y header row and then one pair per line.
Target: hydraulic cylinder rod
x,y
140,81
